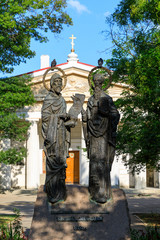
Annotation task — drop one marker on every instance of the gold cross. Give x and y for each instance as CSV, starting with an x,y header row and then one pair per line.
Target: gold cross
x,y
72,43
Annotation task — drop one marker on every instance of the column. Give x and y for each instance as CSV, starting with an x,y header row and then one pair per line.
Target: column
x,y
84,163
33,163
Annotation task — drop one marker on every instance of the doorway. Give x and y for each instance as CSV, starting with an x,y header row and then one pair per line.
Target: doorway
x,y
150,177
72,171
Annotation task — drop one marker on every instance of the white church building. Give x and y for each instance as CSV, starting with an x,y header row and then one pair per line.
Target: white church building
x,y
32,173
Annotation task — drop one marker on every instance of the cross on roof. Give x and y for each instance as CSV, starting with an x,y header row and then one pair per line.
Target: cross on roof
x,y
72,43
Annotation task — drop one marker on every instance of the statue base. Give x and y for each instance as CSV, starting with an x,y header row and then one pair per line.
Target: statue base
x,y
78,218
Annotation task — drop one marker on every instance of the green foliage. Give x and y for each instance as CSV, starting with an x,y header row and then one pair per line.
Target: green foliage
x,y
5,219
21,21
136,62
151,219
136,11
15,94
13,155
14,230
151,233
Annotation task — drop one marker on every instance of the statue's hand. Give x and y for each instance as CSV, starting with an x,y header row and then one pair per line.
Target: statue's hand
x,y
83,112
63,115
84,115
75,99
71,123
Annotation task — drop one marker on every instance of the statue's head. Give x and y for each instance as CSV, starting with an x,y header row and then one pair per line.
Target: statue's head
x,y
98,79
56,83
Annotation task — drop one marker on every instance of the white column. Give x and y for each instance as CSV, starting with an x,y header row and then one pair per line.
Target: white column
x,y
84,163
33,163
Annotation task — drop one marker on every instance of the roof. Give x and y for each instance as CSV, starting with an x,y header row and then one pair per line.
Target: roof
x,y
64,66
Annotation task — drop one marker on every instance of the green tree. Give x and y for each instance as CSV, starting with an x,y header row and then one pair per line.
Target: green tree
x,y
20,22
15,94
136,62
23,20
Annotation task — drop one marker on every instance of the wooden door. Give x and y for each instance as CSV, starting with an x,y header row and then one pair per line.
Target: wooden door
x,y
72,171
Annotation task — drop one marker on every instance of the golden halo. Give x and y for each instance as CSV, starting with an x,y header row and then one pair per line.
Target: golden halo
x,y
52,69
99,67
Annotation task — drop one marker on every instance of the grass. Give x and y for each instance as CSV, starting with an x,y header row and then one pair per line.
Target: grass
x,y
152,227
11,226
150,233
152,219
6,218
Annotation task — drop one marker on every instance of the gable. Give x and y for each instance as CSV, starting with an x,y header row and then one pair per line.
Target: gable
x,y
77,82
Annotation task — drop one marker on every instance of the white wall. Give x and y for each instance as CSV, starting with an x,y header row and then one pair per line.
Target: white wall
x,y
140,180
115,172
123,174
5,170
5,176
17,176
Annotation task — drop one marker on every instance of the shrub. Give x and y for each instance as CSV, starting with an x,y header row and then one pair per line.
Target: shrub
x,y
13,230
151,233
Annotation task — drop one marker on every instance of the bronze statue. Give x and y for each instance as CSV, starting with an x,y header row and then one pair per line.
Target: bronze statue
x,y
99,124
56,140
56,124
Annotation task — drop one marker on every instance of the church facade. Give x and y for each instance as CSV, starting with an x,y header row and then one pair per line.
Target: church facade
x,y
32,173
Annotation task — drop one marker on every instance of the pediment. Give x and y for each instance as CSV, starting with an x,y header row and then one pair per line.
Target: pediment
x,y
77,82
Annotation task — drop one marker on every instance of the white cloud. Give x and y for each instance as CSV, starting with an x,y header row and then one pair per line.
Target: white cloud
x,y
78,6
106,14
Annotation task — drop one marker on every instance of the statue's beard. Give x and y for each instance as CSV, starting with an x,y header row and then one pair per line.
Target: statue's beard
x,y
58,89
97,92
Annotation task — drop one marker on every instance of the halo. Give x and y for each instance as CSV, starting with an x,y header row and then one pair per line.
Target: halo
x,y
52,69
100,67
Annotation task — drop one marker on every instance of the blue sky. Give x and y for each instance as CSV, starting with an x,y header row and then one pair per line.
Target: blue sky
x,y
90,44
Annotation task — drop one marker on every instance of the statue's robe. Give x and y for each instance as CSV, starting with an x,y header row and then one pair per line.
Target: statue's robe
x,y
56,141
100,127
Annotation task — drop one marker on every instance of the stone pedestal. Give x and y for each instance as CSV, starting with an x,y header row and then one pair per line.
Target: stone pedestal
x,y
79,219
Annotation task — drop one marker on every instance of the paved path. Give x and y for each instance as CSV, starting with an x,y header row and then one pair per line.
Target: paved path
x,y
142,201
139,201
23,200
